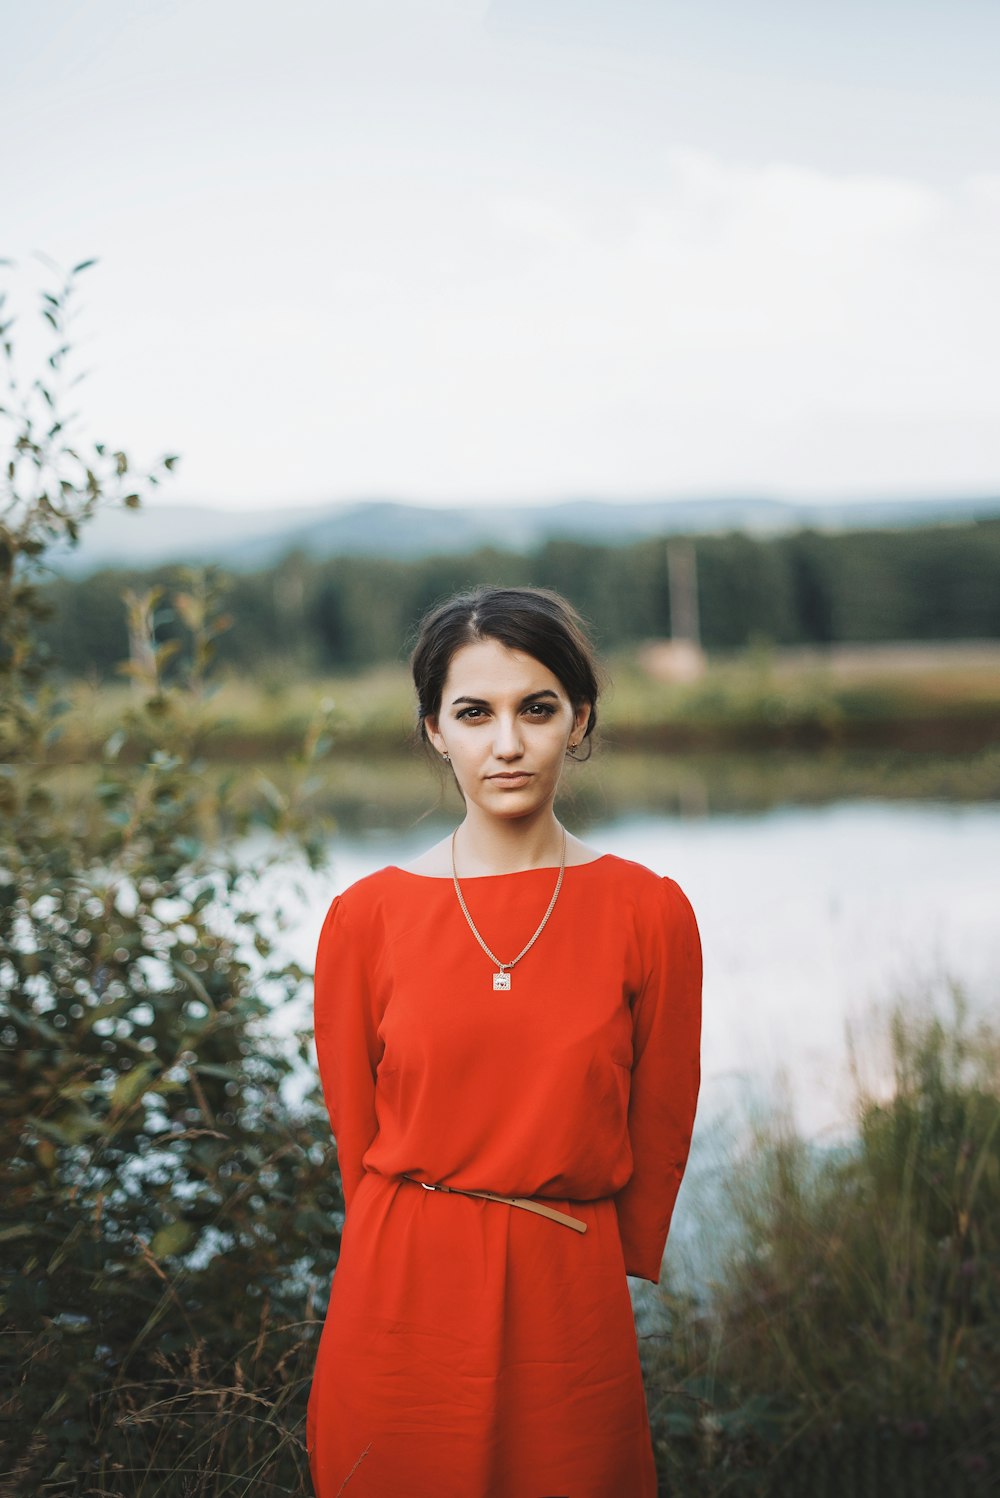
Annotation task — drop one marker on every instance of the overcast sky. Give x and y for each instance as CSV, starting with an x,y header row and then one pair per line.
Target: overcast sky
x,y
448,250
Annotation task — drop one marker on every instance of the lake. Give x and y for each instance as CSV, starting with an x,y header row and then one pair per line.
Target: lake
x,y
811,919
814,921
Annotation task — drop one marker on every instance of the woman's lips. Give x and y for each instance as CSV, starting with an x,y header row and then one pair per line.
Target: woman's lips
x,y
513,778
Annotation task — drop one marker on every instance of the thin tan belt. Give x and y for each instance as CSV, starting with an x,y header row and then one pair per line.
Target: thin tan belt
x,y
524,1202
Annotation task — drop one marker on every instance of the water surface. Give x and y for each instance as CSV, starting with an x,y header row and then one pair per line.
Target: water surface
x,y
810,918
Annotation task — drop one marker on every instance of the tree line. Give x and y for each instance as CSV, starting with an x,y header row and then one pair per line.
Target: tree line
x,y
804,588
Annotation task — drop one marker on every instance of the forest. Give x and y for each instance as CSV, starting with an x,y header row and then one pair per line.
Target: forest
x,y
306,615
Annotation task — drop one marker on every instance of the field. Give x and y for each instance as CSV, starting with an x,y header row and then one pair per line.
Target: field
x,y
757,730
943,697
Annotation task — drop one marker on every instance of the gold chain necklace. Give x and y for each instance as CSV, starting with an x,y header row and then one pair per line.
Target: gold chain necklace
x,y
501,978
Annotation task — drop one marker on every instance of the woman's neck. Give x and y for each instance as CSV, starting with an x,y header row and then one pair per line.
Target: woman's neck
x,y
489,845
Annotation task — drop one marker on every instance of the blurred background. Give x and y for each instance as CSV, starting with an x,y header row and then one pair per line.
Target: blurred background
x,y
687,311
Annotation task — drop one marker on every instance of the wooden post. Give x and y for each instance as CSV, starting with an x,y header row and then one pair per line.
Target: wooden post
x,y
682,582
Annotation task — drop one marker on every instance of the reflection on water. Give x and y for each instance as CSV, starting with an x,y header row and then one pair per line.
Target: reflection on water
x,y
371,795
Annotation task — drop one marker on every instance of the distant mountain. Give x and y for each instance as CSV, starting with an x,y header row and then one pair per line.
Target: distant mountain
x,y
251,539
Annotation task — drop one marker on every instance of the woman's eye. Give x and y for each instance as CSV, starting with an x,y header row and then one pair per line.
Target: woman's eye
x,y
537,710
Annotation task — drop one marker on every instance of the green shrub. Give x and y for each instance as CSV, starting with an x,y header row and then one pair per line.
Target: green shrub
x,y
170,1222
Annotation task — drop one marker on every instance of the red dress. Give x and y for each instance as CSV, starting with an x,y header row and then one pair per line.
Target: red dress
x,y
473,1349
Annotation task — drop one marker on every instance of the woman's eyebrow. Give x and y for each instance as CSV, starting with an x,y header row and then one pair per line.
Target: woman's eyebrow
x,y
483,702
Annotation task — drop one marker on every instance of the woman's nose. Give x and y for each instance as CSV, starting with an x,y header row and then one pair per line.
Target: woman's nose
x,y
507,738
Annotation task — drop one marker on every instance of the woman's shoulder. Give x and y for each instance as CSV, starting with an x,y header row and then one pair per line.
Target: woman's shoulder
x,y
362,900
628,871
647,889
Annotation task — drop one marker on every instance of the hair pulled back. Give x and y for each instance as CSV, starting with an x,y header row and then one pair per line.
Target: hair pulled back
x,y
535,621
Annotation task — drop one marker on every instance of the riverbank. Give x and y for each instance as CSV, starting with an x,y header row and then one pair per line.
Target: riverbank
x,y
911,698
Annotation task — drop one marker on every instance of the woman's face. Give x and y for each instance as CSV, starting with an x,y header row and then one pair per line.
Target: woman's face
x,y
506,723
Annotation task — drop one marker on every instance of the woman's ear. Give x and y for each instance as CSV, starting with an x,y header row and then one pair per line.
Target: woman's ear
x,y
580,720
433,734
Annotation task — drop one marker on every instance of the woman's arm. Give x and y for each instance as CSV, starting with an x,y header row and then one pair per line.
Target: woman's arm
x,y
347,1043
666,1071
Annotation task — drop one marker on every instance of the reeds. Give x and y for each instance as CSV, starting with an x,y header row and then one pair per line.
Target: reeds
x,y
858,1307
202,1429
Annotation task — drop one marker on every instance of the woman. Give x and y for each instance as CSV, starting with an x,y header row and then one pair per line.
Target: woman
x,y
512,1022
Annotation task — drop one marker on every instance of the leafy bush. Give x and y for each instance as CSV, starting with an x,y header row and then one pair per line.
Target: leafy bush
x,y
170,1222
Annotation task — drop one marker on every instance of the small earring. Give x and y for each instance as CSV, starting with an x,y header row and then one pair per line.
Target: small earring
x,y
446,757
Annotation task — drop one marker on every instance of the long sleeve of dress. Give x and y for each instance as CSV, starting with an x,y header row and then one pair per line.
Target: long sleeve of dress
x,y
347,1042
665,1080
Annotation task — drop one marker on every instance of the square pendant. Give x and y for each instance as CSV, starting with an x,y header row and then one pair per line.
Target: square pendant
x,y
501,981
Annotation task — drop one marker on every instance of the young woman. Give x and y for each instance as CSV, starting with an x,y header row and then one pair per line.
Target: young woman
x,y
507,1032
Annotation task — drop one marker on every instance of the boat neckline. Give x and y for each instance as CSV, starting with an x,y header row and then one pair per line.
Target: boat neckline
x,y
547,868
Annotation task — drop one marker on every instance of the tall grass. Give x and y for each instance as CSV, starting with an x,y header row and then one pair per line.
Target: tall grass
x,y
856,1318
197,1425
756,697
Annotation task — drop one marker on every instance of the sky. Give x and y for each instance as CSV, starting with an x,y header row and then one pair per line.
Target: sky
x,y
454,251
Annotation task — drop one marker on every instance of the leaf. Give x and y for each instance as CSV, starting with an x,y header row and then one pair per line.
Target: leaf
x,y
216,1069
83,265
167,650
19,1230
271,791
113,745
172,1239
132,1084
192,979
36,1023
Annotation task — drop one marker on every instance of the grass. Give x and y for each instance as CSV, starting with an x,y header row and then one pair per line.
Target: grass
x,y
853,1331
920,697
197,1430
850,696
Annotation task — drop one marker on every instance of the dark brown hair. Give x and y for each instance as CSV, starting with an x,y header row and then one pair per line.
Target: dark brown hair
x,y
535,621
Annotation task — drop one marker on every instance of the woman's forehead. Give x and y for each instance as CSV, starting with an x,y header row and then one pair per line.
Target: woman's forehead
x,y
488,668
